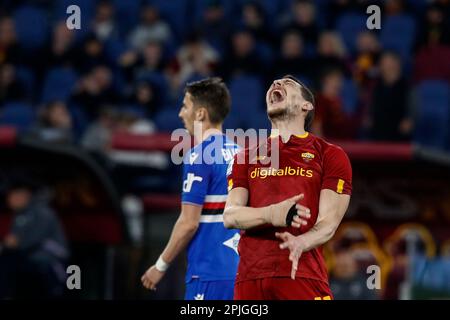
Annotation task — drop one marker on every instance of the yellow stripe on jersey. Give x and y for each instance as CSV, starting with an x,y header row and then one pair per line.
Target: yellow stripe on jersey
x,y
230,184
324,298
340,186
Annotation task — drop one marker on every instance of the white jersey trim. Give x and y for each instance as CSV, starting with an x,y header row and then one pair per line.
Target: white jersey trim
x,y
211,218
216,198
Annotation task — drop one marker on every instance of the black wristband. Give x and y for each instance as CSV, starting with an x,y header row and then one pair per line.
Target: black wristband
x,y
290,216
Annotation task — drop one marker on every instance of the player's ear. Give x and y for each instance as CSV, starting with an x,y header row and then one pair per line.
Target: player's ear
x,y
201,114
307,106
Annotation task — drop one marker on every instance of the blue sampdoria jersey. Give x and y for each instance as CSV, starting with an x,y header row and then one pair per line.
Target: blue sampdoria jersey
x,y
212,253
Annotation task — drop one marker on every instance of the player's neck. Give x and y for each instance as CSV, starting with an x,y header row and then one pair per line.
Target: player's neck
x,y
290,127
207,131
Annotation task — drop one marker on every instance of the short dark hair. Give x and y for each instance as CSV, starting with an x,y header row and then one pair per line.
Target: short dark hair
x,y
213,94
308,96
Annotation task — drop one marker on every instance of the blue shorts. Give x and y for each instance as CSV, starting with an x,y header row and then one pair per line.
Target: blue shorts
x,y
209,290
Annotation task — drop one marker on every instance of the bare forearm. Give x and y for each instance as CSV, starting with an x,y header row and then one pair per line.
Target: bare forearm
x,y
182,234
317,235
242,217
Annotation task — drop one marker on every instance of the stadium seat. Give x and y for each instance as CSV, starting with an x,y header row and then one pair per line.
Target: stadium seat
x,y
433,114
349,25
87,7
167,120
27,79
349,96
58,84
79,120
247,94
114,48
127,14
17,114
398,34
31,25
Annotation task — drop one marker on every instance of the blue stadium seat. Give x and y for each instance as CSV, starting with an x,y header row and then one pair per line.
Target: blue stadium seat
x,y
17,114
349,25
114,48
87,8
167,120
398,34
31,26
246,94
58,84
79,120
27,79
127,14
247,100
349,96
418,6
433,114
230,9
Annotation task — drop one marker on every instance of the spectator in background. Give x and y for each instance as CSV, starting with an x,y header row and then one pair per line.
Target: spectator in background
x,y
254,20
331,121
60,50
132,120
90,54
146,97
389,114
95,89
149,59
243,57
55,124
366,58
103,25
365,65
291,59
336,8
150,29
11,89
393,7
432,59
9,48
435,29
331,54
97,137
346,281
303,21
32,263
195,58
214,25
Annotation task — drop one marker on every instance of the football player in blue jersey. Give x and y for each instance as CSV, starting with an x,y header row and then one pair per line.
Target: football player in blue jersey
x,y
212,250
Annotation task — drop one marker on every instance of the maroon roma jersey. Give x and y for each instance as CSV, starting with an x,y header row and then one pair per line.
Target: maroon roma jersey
x,y
307,164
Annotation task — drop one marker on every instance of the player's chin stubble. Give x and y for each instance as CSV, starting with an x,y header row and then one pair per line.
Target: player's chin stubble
x,y
280,114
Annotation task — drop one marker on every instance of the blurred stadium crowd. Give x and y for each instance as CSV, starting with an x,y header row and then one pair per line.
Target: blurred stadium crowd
x,y
126,67
124,72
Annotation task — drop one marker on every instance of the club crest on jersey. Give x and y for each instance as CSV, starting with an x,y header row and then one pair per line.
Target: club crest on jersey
x,y
307,156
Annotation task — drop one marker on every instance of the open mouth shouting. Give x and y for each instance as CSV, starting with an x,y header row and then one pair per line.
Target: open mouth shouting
x,y
277,95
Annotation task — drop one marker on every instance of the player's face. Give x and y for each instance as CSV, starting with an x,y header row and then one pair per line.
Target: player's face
x,y
283,98
187,114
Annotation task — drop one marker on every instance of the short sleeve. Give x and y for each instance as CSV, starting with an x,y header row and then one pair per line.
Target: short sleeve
x,y
237,173
196,178
337,171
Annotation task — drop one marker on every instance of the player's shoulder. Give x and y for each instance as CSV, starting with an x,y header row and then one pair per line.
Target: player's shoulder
x,y
327,148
